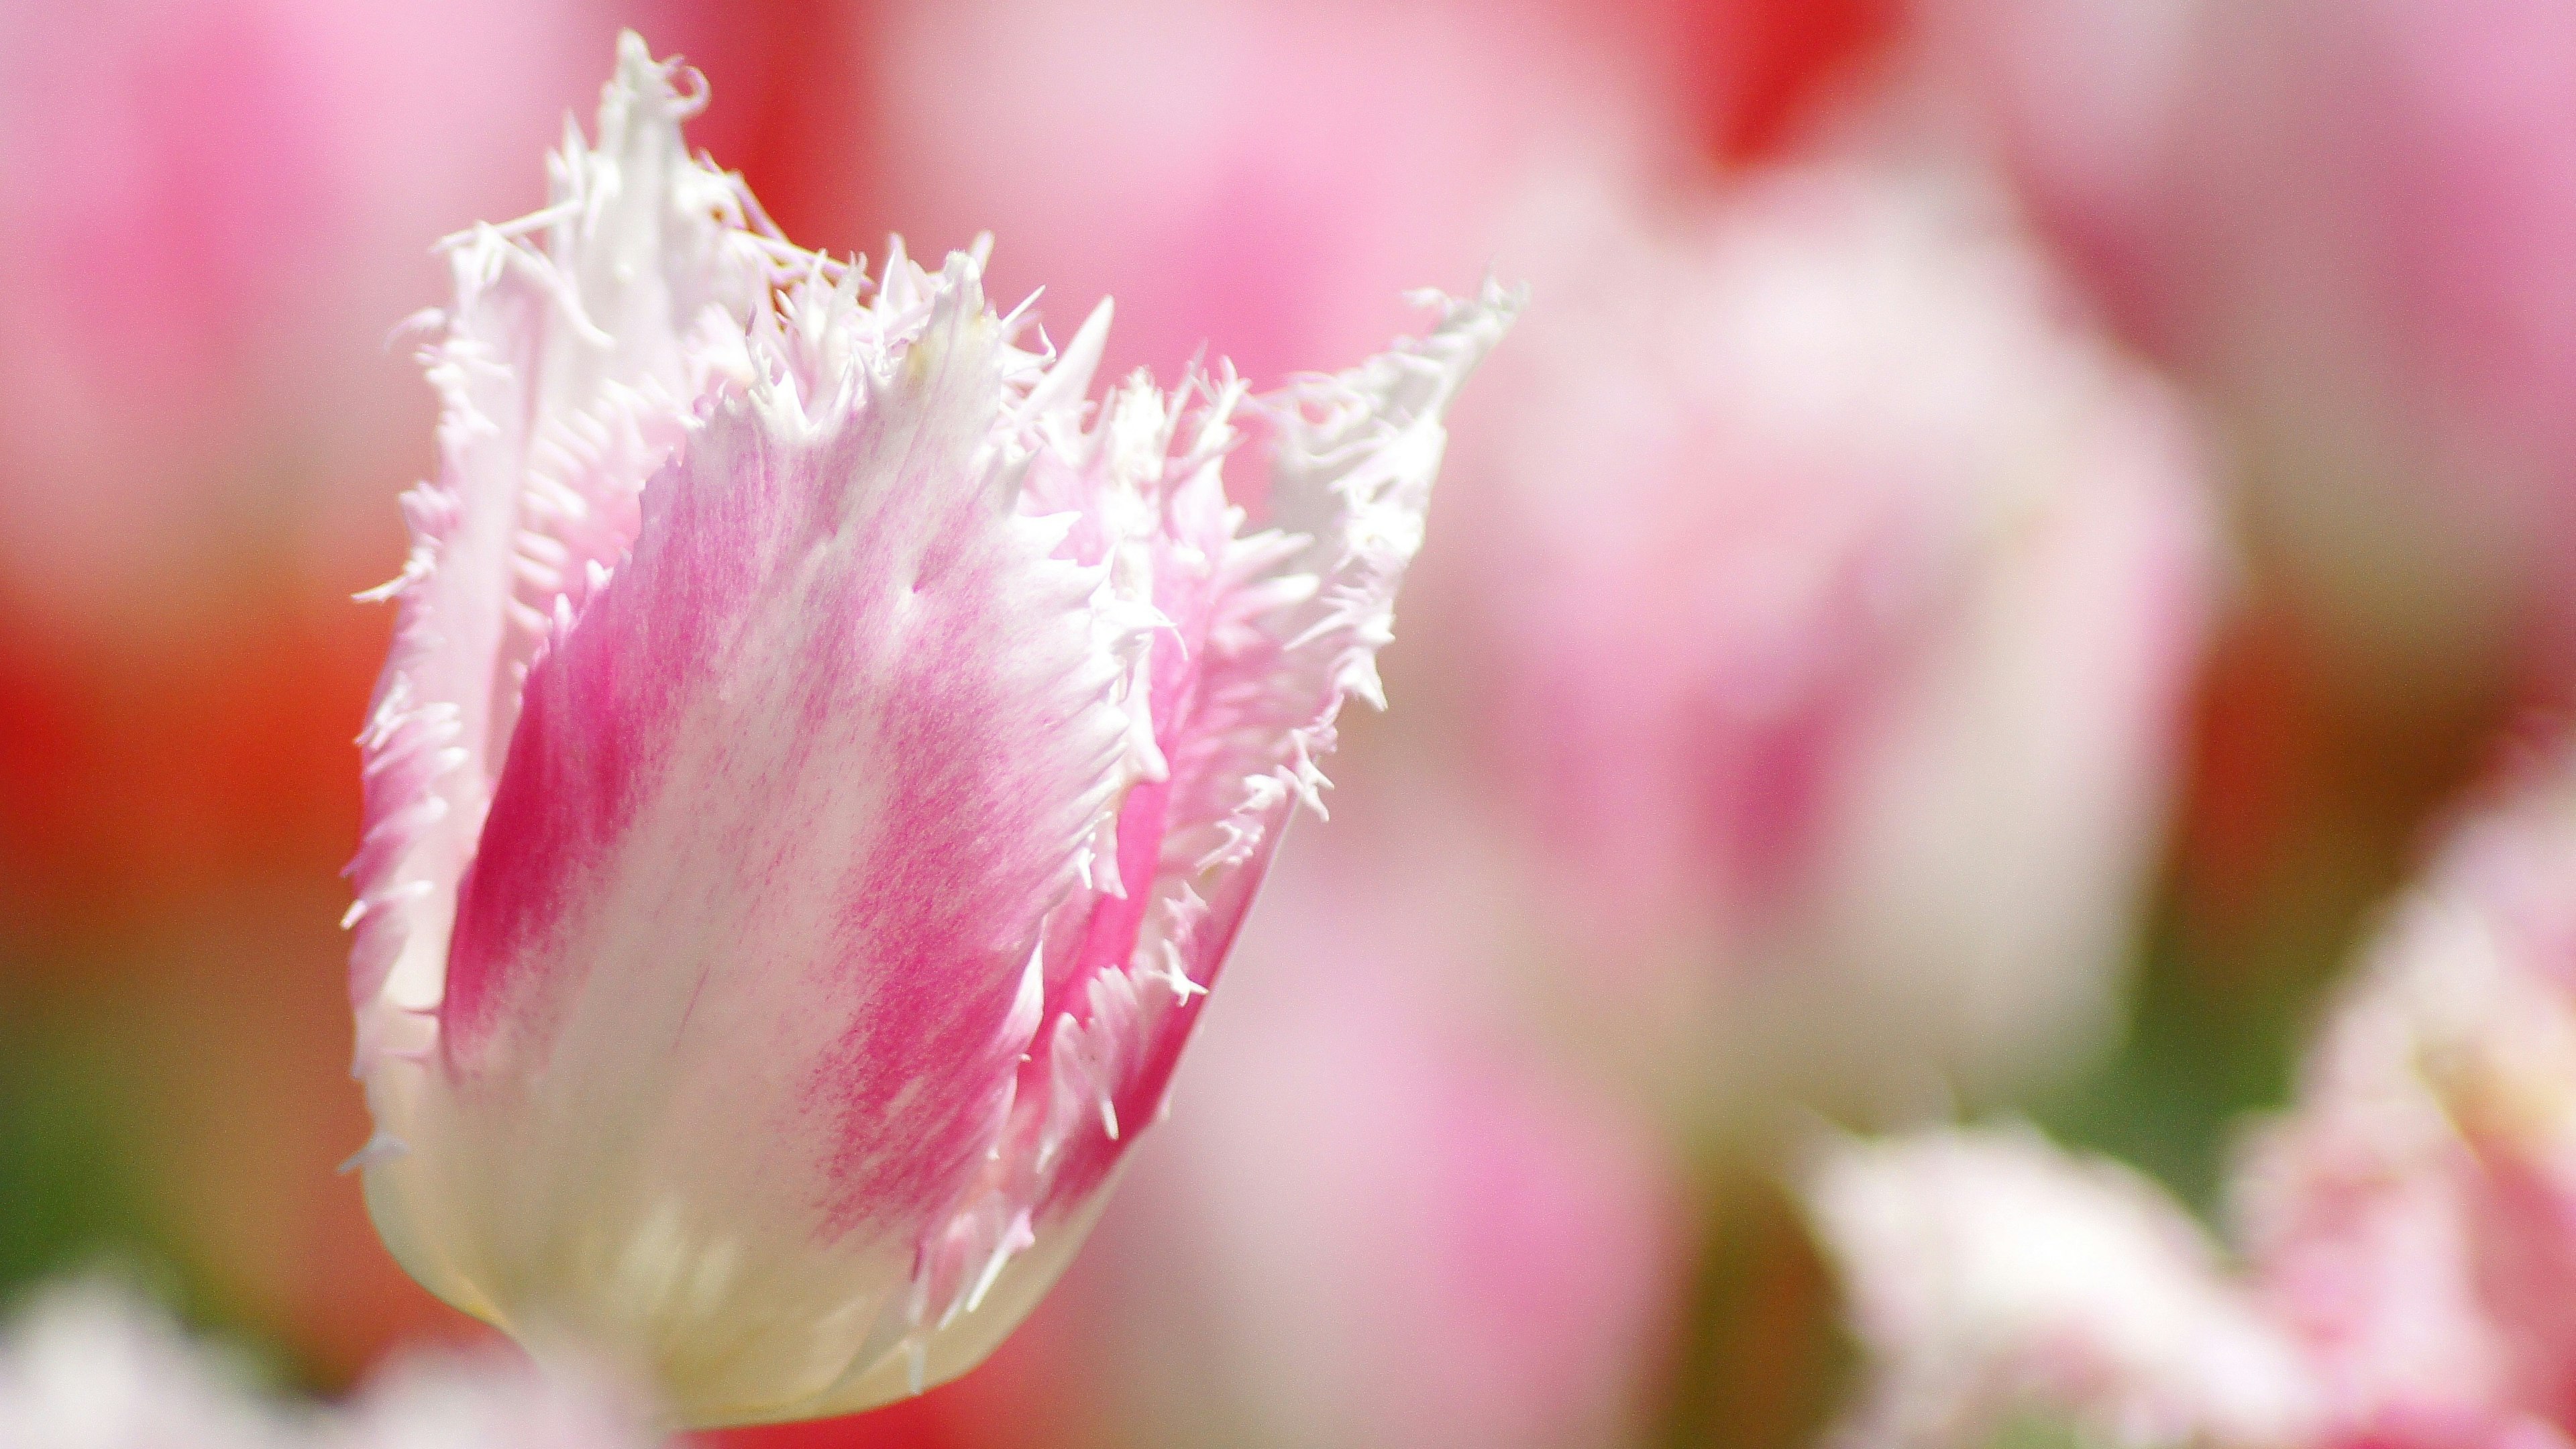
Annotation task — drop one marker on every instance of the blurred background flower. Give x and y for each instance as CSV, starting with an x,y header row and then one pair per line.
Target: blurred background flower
x,y
93,1365
2002,523
2404,1221
1382,1215
2351,225
1820,606
1993,1280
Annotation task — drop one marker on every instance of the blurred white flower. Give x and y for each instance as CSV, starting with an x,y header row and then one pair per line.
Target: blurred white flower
x,y
2408,1223
489,1398
91,1365
1990,1276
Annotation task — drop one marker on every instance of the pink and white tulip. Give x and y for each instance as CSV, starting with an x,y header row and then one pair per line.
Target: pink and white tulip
x,y
2412,1217
1835,707
1811,574
2408,1224
820,769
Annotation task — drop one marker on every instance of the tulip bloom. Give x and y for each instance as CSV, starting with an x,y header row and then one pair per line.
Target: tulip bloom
x,y
1175,186
821,766
1838,713
2412,1217
2408,1225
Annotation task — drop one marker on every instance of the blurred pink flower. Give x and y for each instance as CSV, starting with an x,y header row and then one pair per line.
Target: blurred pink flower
x,y
212,207
2354,223
1837,701
1267,173
2413,1216
2409,1223
885,780
1376,1217
89,1366
1991,1277
1260,175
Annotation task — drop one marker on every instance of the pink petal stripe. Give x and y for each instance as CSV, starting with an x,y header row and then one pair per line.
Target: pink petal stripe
x,y
565,374
803,781
1266,634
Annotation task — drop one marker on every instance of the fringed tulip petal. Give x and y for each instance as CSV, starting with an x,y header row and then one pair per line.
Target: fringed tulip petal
x,y
565,368
788,803
790,880
1265,634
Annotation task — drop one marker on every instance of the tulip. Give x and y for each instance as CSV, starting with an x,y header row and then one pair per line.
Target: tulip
x,y
2412,1216
91,1366
1303,158
2407,1225
817,777
1829,722
1759,602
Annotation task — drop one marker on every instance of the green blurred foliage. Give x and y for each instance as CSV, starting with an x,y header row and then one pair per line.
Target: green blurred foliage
x,y
67,1189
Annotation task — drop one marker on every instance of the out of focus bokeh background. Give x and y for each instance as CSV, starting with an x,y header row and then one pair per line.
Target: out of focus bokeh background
x,y
2005,528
